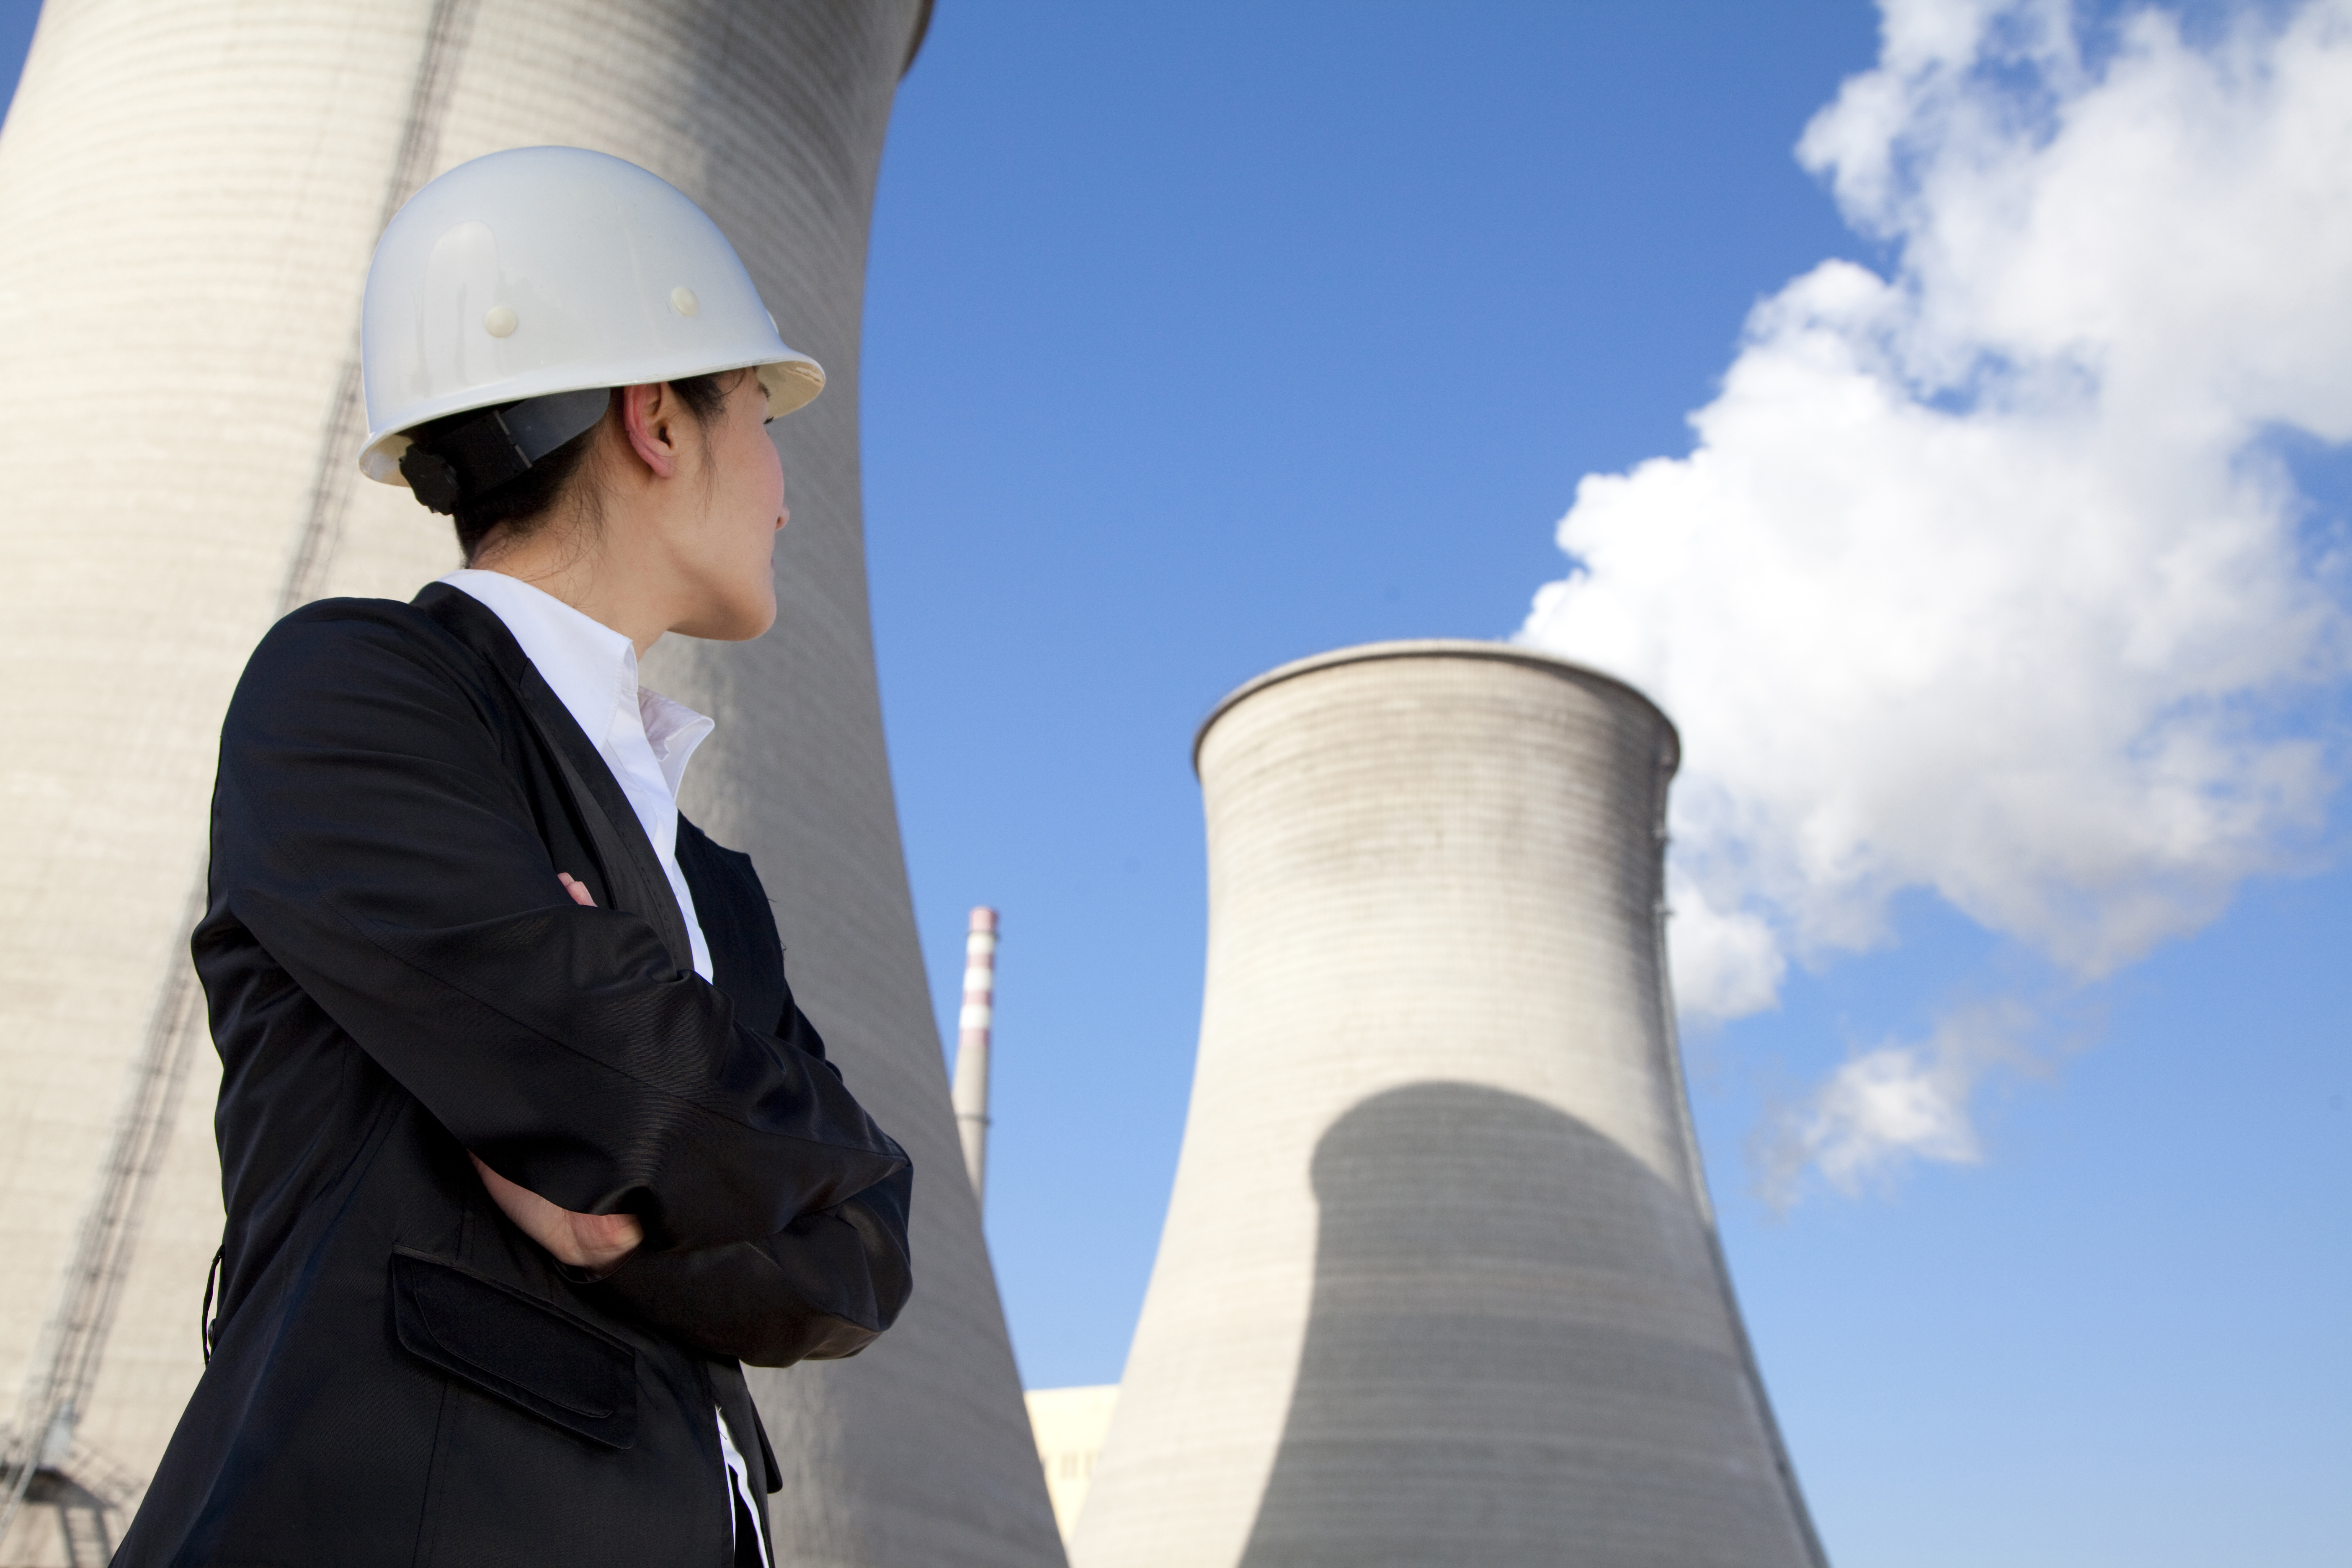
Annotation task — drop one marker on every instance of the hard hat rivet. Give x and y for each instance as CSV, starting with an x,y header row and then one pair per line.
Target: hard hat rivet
x,y
682,301
499,321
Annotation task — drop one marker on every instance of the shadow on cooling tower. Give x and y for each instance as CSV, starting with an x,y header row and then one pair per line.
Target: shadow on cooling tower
x,y
1517,1353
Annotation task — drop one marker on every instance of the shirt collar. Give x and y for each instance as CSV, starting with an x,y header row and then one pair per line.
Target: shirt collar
x,y
673,731
589,666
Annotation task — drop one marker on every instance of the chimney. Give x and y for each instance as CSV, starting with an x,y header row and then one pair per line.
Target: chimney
x,y
973,1026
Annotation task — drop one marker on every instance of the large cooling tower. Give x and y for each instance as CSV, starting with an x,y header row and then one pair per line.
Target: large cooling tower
x,y
189,192
1439,1284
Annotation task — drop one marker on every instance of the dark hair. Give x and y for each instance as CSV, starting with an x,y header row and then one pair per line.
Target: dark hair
x,y
522,504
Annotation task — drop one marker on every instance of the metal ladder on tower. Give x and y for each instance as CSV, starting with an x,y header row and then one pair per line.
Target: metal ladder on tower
x,y
41,1441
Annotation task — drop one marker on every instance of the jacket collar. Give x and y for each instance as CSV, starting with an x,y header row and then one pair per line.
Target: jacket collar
x,y
634,878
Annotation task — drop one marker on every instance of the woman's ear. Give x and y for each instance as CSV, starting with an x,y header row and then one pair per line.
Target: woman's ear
x,y
649,414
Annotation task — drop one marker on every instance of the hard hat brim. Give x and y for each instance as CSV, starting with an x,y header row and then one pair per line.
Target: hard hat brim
x,y
791,383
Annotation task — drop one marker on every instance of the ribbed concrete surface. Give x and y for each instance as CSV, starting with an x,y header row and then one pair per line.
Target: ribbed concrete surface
x,y
189,191
1438,1284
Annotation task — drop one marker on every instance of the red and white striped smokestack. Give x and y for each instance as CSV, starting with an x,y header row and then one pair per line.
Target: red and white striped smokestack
x,y
972,1028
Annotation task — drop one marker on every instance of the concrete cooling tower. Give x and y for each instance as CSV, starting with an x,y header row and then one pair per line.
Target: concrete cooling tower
x,y
1439,1283
189,193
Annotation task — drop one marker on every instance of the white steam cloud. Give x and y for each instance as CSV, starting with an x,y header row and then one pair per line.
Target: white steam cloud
x,y
1895,1103
1986,576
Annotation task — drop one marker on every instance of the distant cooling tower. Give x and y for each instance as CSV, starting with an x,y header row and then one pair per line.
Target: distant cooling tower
x,y
1439,1283
189,193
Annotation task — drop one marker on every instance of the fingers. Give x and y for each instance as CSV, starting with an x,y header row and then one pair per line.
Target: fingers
x,y
535,1214
593,1241
607,1229
598,1241
611,1235
577,889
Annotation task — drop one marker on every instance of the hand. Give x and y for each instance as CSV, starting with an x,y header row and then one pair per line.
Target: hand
x,y
596,1242
577,889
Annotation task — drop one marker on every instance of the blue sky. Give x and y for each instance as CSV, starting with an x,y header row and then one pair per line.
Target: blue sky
x,y
1203,336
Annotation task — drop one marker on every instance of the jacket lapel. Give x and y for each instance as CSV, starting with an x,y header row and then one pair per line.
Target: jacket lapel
x,y
634,878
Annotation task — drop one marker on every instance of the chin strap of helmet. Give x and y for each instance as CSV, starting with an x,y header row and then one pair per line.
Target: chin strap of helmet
x,y
469,460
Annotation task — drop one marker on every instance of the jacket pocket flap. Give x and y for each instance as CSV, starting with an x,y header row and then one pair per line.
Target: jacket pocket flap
x,y
527,1352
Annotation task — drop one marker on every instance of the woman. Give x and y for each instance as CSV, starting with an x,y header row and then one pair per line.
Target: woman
x,y
524,1142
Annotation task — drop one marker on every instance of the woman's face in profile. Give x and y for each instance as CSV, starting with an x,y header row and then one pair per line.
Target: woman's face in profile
x,y
729,556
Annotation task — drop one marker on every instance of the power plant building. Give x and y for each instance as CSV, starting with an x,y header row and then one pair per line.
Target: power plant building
x,y
1070,1424
189,194
1439,1282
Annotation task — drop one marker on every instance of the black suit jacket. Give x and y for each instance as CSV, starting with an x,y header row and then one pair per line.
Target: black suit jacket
x,y
399,1376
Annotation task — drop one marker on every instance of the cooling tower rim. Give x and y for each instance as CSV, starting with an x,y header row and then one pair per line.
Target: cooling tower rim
x,y
915,43
1442,647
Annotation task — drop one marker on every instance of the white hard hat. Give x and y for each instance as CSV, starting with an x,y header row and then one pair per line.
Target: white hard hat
x,y
554,269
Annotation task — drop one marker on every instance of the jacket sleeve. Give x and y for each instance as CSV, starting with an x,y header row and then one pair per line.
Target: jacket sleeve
x,y
370,835
822,1288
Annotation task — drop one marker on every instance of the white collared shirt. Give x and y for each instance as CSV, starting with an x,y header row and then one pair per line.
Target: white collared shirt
x,y
646,740
644,737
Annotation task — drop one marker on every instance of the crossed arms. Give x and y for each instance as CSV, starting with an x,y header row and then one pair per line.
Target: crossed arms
x,y
371,833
